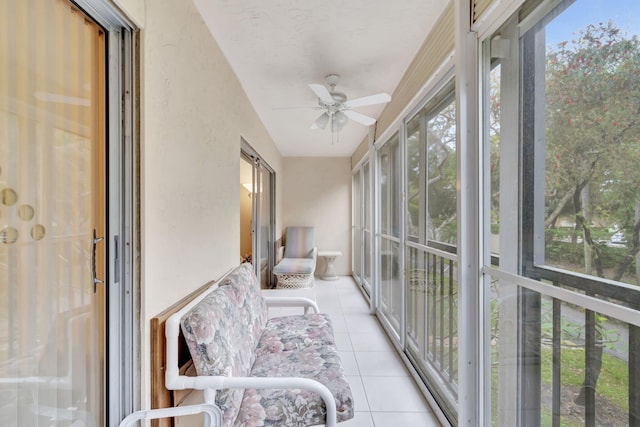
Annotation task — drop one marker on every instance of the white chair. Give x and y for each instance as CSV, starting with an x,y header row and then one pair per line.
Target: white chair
x,y
296,268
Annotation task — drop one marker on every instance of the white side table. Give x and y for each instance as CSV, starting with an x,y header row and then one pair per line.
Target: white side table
x,y
330,270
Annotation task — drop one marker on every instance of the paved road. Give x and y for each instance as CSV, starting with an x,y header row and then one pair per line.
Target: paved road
x,y
619,348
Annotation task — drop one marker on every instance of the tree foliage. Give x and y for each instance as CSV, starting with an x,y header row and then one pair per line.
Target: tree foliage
x,y
593,134
431,151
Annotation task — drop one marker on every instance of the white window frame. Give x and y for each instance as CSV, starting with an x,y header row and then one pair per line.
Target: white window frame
x,y
398,335
509,272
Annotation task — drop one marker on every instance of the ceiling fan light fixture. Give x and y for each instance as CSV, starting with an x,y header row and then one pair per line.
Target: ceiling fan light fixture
x,y
338,121
321,121
341,119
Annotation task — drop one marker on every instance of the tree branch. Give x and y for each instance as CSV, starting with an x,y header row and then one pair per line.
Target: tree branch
x,y
561,205
587,238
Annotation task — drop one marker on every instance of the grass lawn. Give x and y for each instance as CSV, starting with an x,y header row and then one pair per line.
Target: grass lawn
x,y
613,382
612,387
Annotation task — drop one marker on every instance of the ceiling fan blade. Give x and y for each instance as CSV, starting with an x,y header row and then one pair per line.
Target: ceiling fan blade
x,y
322,93
379,98
360,118
321,121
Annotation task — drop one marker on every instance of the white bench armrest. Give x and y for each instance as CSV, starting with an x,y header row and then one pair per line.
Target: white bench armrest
x,y
213,416
211,383
288,383
307,303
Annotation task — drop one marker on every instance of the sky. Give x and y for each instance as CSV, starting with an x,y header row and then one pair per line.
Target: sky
x,y
625,14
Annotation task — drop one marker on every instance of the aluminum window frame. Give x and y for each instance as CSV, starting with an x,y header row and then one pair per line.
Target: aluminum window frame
x,y
442,93
398,333
524,268
123,288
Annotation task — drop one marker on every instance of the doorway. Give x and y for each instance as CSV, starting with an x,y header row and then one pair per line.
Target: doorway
x,y
62,215
257,214
246,209
53,215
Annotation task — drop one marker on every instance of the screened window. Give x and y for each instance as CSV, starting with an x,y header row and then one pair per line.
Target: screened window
x,y
431,172
366,228
589,207
356,228
390,190
390,180
431,286
562,208
494,109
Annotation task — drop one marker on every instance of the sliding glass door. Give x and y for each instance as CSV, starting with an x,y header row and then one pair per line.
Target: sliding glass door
x,y
356,226
431,286
264,237
366,229
362,227
261,187
416,255
52,215
389,207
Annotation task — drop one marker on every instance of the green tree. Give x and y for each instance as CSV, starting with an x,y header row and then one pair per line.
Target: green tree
x,y
441,165
593,144
431,169
593,135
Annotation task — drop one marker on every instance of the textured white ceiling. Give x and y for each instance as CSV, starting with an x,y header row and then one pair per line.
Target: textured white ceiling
x,y
278,47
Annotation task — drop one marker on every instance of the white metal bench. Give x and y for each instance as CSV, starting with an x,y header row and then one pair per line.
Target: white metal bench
x,y
248,365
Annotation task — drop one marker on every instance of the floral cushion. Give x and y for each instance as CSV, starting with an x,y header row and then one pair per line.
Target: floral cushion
x,y
228,334
296,332
252,305
295,407
222,332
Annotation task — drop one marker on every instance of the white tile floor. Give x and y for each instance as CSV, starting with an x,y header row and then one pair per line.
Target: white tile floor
x,y
383,391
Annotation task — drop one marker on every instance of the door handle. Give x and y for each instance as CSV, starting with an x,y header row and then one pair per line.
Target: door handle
x,y
94,241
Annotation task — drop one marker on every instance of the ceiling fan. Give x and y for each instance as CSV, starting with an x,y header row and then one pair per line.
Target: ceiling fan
x,y
337,110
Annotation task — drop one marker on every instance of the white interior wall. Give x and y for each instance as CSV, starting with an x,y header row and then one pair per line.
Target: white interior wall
x,y
193,115
317,192
133,9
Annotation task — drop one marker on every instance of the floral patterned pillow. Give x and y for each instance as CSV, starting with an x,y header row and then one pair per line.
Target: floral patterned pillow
x,y
222,332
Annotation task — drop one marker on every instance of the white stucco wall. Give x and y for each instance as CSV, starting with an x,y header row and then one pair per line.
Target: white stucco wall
x,y
133,9
317,192
193,115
